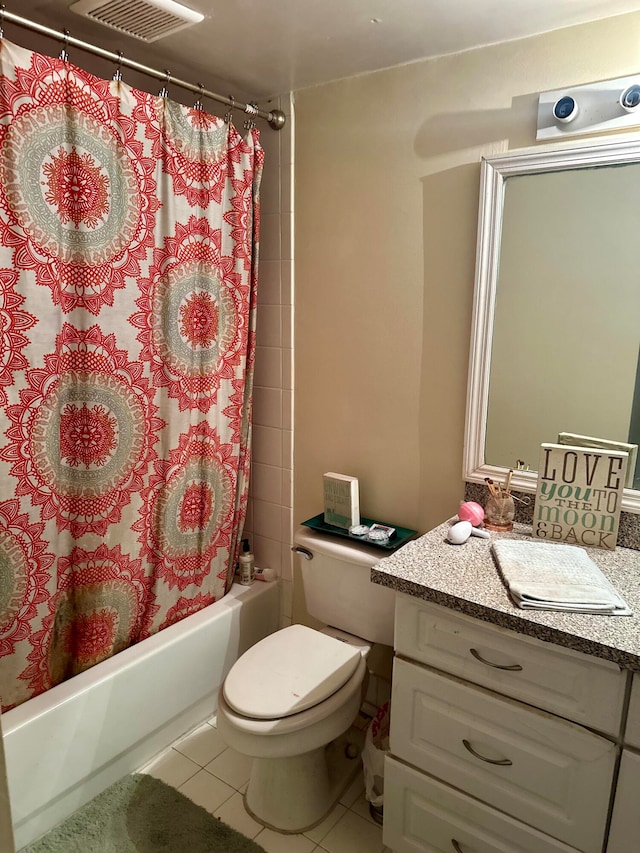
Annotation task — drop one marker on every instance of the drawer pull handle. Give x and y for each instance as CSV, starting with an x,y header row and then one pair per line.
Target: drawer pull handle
x,y
514,667
503,762
456,846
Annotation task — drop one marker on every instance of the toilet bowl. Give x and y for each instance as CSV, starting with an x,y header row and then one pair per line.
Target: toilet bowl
x,y
285,717
290,700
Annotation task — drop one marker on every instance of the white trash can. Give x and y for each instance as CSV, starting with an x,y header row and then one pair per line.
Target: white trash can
x,y
376,746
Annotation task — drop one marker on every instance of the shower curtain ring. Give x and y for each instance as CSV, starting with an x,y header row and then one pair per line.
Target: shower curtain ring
x,y
64,53
250,110
228,116
117,74
198,104
2,11
164,92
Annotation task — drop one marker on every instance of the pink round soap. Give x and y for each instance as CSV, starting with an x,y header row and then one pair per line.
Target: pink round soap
x,y
471,511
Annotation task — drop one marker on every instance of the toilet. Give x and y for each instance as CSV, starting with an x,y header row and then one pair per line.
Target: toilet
x,y
289,700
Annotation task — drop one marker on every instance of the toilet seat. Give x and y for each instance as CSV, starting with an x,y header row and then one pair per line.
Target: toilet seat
x,y
301,722
288,673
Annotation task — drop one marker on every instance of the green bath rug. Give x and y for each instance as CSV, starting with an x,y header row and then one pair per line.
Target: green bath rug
x,y
140,814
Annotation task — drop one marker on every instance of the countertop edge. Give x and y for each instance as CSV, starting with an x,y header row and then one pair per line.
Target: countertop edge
x,y
520,625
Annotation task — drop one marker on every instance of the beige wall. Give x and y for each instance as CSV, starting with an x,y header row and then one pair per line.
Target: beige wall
x,y
387,180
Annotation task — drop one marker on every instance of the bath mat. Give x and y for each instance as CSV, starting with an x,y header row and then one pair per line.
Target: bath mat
x,y
140,814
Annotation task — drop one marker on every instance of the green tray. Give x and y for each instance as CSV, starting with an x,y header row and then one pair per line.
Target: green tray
x,y
403,534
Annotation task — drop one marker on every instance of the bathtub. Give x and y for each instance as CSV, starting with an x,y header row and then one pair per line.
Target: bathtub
x,y
67,745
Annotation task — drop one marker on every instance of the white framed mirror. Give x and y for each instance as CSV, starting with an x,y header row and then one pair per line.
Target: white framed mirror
x,y
556,320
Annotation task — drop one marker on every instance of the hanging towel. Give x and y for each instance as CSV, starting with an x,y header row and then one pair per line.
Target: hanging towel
x,y
549,576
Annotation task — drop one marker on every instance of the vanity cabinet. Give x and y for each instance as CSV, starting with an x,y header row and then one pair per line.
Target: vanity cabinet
x,y
499,742
625,821
632,731
435,817
579,687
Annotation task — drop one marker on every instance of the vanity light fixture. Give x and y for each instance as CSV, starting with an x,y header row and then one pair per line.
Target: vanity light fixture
x,y
605,105
630,98
565,109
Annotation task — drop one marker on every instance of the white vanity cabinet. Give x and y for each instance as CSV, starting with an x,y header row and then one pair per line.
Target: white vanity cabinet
x,y
499,742
624,835
625,822
632,731
579,687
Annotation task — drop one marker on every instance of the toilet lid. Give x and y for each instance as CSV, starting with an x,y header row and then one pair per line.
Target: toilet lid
x,y
288,672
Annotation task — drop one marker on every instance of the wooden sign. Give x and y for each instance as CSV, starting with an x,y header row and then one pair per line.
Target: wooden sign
x,y
579,495
604,444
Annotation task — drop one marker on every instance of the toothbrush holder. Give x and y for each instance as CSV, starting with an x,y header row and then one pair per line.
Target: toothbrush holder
x,y
499,512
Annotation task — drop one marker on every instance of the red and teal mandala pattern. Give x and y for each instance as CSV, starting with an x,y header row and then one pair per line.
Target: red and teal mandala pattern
x,y
188,509
83,435
186,607
243,217
14,322
193,317
239,409
24,574
77,195
102,599
190,144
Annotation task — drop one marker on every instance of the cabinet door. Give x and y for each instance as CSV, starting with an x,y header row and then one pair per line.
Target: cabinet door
x,y
421,814
576,686
624,834
632,734
549,773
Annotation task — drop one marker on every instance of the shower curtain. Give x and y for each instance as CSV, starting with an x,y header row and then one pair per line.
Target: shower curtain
x,y
128,251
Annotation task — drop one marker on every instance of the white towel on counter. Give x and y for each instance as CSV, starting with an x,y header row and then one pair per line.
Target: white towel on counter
x,y
550,576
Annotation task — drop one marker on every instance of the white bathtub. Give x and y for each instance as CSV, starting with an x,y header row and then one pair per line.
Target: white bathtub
x,y
68,744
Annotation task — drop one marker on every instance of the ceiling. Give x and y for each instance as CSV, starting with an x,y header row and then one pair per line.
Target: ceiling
x,y
257,48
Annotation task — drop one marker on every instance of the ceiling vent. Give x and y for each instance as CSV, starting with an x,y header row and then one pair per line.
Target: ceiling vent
x,y
148,20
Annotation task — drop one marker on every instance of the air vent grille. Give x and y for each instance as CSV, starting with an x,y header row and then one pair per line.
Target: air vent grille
x,y
148,20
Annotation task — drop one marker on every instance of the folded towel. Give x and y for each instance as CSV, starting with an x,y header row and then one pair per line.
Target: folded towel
x,y
549,576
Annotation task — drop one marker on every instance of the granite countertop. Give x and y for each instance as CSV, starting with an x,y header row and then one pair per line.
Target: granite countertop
x,y
465,578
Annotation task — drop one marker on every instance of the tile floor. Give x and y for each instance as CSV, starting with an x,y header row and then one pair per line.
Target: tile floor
x,y
202,767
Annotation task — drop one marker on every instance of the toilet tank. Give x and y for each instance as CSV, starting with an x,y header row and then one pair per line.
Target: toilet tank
x,y
338,589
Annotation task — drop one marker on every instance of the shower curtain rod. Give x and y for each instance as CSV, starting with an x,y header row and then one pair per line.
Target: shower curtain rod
x,y
275,118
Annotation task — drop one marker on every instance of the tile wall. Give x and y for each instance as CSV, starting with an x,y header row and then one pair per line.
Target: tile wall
x,y
269,518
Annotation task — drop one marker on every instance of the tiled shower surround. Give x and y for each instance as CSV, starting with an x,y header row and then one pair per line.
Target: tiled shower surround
x,y
270,512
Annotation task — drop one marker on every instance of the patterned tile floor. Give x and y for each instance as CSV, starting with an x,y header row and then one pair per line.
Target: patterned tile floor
x,y
214,776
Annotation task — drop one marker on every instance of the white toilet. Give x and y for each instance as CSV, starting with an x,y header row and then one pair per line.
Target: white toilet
x,y
289,698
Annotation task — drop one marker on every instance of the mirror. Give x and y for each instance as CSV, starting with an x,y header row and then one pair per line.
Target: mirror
x,y
556,323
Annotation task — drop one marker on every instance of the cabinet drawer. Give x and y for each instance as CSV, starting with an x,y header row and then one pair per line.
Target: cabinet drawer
x,y
579,687
549,773
422,814
632,734
625,823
